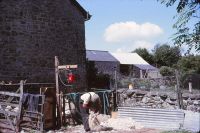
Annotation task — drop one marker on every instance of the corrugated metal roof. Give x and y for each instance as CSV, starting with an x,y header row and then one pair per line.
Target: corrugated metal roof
x,y
95,55
133,59
154,118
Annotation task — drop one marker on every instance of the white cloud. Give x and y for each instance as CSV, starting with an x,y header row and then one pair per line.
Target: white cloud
x,y
131,31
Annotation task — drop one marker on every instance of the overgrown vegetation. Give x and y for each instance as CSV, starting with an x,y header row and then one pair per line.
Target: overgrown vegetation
x,y
166,55
171,58
168,58
189,64
166,71
161,55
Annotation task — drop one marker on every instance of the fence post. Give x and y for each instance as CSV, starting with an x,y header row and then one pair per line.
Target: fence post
x,y
141,74
59,113
21,90
179,93
190,87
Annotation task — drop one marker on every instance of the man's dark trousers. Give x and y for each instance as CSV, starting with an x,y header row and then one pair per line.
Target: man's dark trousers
x,y
85,117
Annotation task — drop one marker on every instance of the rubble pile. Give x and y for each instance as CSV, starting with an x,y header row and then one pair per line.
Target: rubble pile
x,y
140,98
101,122
122,124
95,119
119,125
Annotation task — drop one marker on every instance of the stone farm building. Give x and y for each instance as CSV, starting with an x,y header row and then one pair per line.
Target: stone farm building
x,y
32,32
104,61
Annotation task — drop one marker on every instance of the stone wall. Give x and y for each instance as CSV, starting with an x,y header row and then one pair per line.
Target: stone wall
x,y
138,98
32,32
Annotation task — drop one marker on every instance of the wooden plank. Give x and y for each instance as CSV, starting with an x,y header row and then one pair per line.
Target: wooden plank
x,y
11,98
19,117
5,125
3,121
9,104
9,113
4,128
59,111
10,121
67,66
9,94
42,116
6,131
38,113
28,130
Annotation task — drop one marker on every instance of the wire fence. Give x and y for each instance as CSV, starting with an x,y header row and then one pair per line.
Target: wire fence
x,y
162,83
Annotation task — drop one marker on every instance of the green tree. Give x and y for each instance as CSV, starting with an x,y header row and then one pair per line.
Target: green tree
x,y
190,70
189,64
144,53
164,55
166,71
188,13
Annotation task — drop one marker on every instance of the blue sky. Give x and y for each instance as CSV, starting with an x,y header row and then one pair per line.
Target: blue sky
x,y
123,25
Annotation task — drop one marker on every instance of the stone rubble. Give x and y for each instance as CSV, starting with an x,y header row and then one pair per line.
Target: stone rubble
x,y
122,124
101,122
118,125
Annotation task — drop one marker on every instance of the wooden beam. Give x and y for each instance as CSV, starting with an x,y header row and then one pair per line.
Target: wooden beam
x,y
179,93
11,98
9,104
9,113
58,99
19,117
9,94
67,66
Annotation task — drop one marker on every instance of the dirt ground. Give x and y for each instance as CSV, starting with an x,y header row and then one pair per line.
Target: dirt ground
x,y
79,129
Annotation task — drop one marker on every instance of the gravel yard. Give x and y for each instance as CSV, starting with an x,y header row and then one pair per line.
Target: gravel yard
x,y
79,129
119,125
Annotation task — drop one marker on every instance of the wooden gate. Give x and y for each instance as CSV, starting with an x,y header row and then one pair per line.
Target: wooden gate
x,y
20,111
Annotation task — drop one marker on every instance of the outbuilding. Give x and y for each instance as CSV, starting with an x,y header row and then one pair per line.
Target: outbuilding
x,y
131,64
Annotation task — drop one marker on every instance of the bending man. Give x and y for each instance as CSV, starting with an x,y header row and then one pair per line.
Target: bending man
x,y
89,101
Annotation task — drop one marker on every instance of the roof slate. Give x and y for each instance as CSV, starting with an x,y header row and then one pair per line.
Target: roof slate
x,y
95,55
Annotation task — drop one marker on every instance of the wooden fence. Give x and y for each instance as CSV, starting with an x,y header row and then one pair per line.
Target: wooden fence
x,y
19,110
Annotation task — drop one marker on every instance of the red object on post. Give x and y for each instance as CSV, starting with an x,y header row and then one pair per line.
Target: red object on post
x,y
71,78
